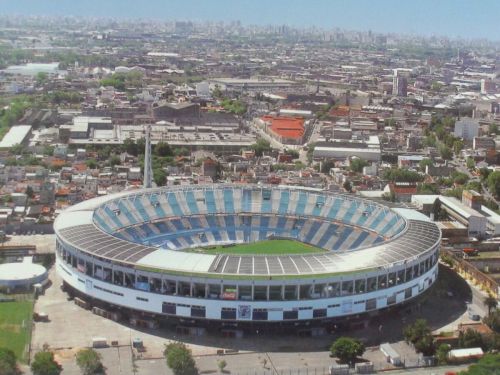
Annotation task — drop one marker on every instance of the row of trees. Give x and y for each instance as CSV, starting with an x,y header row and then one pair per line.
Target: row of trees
x,y
121,81
44,363
180,359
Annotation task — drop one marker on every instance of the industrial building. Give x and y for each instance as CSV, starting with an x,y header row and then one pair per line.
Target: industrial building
x,y
286,130
17,135
252,84
367,148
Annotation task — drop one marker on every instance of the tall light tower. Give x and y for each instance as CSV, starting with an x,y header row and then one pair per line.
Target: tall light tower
x,y
148,169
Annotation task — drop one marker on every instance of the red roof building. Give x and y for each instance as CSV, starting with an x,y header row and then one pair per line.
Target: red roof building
x,y
286,130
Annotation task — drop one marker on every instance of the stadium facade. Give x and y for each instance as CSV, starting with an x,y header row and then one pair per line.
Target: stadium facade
x,y
140,250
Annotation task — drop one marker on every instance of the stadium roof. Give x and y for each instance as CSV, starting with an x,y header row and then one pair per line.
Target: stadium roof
x,y
76,227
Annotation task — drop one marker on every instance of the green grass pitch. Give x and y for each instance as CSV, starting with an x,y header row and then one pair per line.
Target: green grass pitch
x,y
15,326
267,247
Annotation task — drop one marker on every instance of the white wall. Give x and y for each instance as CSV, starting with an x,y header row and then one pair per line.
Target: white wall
x,y
347,305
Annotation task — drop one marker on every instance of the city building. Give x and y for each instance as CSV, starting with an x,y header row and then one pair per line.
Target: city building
x,y
367,148
252,84
485,143
400,83
466,128
286,130
488,86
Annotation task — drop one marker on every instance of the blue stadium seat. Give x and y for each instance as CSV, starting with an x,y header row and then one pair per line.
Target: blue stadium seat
x,y
228,201
191,202
342,237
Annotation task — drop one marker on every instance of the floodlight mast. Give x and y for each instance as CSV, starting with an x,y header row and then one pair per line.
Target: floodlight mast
x,y
148,169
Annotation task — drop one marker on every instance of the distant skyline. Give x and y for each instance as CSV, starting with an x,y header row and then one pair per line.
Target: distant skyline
x,y
452,18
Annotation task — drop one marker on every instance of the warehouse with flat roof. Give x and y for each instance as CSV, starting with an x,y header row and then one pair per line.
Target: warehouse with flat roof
x,y
17,135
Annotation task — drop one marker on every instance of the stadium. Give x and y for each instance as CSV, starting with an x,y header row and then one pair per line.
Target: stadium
x,y
245,254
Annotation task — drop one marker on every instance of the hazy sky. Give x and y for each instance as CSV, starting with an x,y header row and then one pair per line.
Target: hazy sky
x,y
454,18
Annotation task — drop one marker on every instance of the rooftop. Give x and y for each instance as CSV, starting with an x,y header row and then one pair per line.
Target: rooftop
x,y
16,135
287,127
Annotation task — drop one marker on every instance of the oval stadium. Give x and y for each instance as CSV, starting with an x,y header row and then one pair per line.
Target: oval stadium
x,y
245,254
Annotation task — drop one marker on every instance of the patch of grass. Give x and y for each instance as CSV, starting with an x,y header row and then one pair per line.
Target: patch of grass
x,y
15,326
267,247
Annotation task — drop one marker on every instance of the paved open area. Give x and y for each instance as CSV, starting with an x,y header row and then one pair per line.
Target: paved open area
x,y
45,243
72,327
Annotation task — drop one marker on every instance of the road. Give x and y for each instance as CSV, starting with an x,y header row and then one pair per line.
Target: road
x,y
315,133
261,133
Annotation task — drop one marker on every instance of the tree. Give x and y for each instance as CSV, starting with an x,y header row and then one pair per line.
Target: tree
x,y
416,331
310,152
436,86
261,146
347,349
41,78
491,303
326,165
438,211
114,160
427,189
293,153
426,345
494,183
44,364
402,175
159,176
357,165
484,172
104,152
493,129
488,365
430,141
470,339
460,178
419,334
493,321
180,359
445,152
440,132
163,149
458,145
91,163
89,362
474,185
347,186
221,364
471,164
8,364
442,353
181,151
236,107
424,163
29,192
130,147
141,146
18,149
48,150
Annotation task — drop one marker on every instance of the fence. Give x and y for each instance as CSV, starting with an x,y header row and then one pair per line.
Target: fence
x,y
377,367
318,370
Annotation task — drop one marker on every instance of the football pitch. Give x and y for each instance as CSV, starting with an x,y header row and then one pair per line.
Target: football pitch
x,y
15,326
267,247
